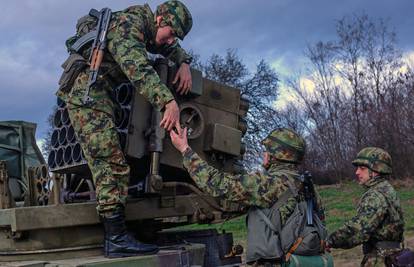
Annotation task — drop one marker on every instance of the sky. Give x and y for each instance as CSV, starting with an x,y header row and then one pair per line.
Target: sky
x,y
33,33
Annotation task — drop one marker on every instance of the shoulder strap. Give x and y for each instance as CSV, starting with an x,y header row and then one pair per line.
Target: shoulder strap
x,y
267,221
280,202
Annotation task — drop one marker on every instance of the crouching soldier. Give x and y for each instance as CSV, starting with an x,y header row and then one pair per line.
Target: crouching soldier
x,y
277,230
379,223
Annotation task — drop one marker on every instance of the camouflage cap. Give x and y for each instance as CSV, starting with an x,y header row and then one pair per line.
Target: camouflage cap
x,y
285,145
176,15
376,159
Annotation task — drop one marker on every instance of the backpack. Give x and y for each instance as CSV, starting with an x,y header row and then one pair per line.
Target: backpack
x,y
296,236
77,60
84,26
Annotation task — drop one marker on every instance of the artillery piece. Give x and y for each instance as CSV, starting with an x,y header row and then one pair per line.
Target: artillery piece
x,y
57,213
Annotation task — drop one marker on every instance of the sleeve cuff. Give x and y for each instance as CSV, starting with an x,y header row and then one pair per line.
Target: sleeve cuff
x,y
188,152
167,99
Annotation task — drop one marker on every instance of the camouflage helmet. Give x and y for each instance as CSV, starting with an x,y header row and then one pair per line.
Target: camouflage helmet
x,y
285,145
176,15
374,158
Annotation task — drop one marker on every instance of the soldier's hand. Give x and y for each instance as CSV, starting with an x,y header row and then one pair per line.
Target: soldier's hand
x,y
179,139
328,247
183,76
171,116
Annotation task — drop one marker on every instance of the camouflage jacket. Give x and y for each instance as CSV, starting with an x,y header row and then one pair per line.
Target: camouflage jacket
x,y
255,189
131,35
379,218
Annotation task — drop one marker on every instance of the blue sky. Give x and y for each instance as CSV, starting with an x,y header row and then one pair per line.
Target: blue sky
x,y
34,31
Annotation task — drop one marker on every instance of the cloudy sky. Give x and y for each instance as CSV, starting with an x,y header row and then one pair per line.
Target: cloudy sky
x,y
33,33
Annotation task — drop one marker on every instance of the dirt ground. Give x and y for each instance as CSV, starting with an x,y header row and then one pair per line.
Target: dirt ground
x,y
353,257
349,257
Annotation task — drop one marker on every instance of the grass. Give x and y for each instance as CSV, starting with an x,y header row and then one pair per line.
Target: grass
x,y
340,204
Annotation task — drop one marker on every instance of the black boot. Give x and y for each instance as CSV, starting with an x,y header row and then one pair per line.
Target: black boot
x,y
118,243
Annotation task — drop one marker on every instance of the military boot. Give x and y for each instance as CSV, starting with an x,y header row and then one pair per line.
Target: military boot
x,y
118,243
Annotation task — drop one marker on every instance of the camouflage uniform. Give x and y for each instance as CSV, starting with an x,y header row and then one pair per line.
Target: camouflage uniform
x,y
131,34
261,189
379,215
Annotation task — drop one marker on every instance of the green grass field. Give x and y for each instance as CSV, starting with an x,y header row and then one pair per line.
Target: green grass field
x,y
340,203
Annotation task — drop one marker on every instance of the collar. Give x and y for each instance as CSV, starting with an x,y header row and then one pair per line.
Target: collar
x,y
284,167
374,181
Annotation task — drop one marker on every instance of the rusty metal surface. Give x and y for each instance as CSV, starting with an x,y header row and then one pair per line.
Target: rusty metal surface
x,y
39,185
6,200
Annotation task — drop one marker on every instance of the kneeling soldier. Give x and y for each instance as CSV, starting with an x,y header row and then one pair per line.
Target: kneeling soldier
x,y
272,195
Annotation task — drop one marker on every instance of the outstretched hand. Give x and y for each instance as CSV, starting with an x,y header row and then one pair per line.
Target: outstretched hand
x,y
171,116
179,139
184,77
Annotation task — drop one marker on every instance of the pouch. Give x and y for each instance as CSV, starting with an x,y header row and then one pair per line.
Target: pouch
x,y
72,66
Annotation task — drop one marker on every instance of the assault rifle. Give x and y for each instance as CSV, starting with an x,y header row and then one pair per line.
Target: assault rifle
x,y
98,46
309,193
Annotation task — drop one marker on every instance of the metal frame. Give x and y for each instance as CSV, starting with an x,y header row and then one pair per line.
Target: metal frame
x,y
68,215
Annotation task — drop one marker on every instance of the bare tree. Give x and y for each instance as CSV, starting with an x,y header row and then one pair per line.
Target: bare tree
x,y
259,88
360,98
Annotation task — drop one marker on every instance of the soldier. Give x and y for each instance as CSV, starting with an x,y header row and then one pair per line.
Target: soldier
x,y
379,223
284,152
132,32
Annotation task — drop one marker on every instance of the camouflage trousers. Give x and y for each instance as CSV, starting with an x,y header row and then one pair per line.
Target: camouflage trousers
x,y
95,130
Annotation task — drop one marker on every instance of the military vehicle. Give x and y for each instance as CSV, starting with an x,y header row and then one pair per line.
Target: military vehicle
x,y
48,210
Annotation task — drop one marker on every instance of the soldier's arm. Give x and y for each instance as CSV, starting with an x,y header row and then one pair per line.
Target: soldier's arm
x,y
127,46
247,189
370,214
183,76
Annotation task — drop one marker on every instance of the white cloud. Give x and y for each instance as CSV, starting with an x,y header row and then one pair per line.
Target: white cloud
x,y
286,96
408,58
40,143
280,65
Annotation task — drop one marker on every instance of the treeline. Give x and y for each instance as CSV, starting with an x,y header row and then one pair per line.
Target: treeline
x,y
358,92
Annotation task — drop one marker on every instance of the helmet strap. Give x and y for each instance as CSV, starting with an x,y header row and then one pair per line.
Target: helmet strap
x,y
163,23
